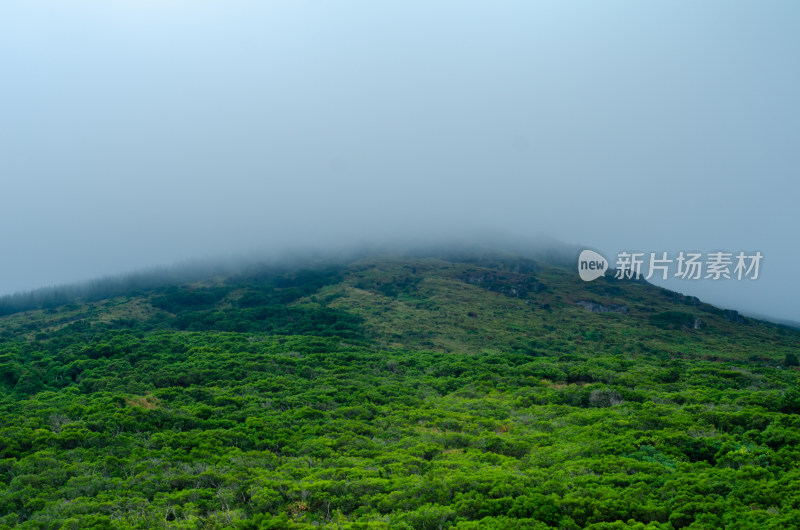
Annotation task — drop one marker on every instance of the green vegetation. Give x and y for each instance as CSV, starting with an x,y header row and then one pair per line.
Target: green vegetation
x,y
398,393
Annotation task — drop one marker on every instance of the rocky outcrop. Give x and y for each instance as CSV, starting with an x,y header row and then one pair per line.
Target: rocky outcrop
x,y
507,283
733,316
595,307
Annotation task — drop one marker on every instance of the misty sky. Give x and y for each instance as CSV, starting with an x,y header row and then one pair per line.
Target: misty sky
x,y
136,133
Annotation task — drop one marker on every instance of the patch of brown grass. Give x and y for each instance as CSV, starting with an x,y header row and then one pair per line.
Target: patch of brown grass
x,y
149,402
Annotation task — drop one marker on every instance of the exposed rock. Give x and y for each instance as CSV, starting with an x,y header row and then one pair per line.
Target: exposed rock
x,y
691,300
507,283
678,297
676,320
733,316
595,307
605,397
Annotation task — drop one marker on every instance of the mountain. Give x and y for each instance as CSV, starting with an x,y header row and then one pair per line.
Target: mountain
x,y
434,388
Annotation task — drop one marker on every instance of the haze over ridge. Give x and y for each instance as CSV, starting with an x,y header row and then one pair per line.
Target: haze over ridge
x,y
140,134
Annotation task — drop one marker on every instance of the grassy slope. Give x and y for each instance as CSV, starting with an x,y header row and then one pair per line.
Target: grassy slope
x,y
432,307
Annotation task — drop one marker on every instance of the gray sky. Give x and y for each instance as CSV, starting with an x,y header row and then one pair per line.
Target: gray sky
x,y
136,133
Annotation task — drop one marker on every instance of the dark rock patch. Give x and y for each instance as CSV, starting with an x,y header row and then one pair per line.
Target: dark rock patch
x,y
595,307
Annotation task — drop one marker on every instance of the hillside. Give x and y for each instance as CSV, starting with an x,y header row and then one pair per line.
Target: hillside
x,y
472,390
